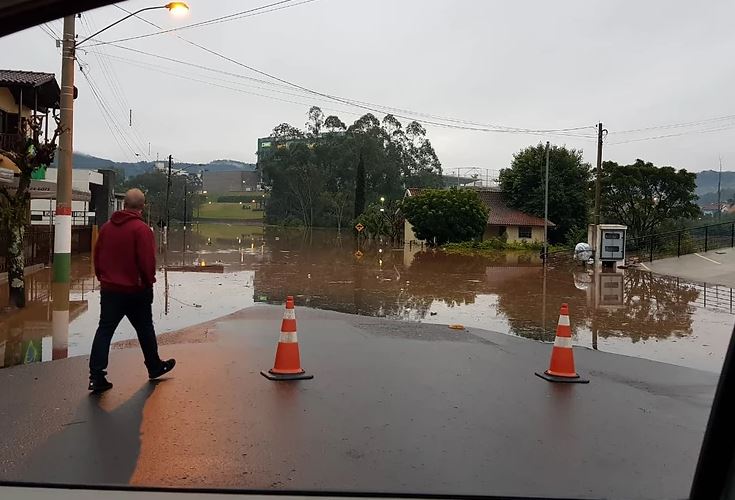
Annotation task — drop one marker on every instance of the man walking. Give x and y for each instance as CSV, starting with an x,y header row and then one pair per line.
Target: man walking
x,y
125,265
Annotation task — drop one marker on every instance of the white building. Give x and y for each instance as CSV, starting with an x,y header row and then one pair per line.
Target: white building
x,y
42,209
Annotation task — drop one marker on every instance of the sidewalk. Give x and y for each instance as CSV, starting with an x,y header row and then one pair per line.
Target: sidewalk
x,y
716,267
394,407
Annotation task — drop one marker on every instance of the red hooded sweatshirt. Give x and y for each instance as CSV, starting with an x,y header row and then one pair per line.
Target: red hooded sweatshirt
x,y
125,254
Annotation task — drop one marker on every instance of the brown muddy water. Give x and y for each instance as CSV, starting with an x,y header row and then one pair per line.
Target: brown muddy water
x,y
631,312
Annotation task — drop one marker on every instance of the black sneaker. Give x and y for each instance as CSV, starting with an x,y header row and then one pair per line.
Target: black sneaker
x,y
99,385
163,368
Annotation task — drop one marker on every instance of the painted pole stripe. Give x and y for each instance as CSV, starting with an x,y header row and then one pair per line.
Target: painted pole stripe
x,y
63,211
564,321
62,267
62,234
289,314
60,331
288,338
565,342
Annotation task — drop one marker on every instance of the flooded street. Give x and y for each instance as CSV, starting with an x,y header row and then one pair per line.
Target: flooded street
x,y
632,312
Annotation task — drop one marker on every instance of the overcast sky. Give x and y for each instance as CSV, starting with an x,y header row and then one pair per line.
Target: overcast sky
x,y
524,64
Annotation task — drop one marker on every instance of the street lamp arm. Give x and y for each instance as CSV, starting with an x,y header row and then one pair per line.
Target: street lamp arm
x,y
119,21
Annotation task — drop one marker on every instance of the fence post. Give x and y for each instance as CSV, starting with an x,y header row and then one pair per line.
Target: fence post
x,y
650,249
732,235
678,244
706,233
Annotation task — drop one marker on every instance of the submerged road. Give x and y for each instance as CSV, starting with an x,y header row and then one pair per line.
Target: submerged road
x,y
394,407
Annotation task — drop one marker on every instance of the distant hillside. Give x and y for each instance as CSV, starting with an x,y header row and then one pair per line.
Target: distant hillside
x,y
707,181
90,162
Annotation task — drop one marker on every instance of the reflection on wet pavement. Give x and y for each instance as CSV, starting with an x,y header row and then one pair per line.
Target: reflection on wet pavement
x,y
631,312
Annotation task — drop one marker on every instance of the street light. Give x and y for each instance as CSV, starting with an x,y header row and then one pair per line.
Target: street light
x,y
175,8
62,231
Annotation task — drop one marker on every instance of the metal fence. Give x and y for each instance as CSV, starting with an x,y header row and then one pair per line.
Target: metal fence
x,y
681,242
39,244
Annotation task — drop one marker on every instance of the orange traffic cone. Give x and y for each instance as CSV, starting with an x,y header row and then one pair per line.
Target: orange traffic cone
x,y
561,368
288,362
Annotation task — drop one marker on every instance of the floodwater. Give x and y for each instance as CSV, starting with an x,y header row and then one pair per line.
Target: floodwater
x,y
631,312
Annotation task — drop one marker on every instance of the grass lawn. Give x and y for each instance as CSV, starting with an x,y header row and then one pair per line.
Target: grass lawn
x,y
230,211
226,230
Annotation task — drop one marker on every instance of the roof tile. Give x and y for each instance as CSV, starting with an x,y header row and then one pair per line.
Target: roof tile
x,y
25,78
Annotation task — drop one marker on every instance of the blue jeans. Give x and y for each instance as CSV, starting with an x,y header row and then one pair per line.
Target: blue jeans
x,y
113,306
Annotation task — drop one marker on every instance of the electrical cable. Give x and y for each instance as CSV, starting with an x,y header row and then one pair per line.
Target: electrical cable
x,y
230,17
111,79
370,106
565,132
689,132
677,125
106,113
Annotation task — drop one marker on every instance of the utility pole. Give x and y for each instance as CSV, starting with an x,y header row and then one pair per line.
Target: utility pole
x,y
168,192
62,221
598,176
183,253
719,184
546,206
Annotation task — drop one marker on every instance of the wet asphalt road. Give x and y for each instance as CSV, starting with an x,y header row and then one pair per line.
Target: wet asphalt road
x,y
393,407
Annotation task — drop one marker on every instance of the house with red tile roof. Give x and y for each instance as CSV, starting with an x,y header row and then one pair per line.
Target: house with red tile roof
x,y
502,219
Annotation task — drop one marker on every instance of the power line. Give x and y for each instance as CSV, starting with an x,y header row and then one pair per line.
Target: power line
x,y
564,132
676,125
104,114
42,27
119,132
52,30
187,77
111,79
706,131
158,68
427,119
230,17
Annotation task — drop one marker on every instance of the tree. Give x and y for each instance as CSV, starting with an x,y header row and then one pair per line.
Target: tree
x,y
316,121
382,219
285,132
334,124
445,216
360,187
153,184
333,176
643,196
29,153
523,186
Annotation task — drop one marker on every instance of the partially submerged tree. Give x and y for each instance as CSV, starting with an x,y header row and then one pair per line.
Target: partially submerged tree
x,y
29,152
328,174
569,175
643,196
446,216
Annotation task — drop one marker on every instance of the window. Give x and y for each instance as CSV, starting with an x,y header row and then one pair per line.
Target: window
x,y
524,231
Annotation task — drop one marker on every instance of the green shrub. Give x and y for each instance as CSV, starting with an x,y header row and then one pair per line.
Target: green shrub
x,y
445,216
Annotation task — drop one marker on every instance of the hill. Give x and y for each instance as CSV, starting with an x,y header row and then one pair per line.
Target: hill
x,y
89,162
707,181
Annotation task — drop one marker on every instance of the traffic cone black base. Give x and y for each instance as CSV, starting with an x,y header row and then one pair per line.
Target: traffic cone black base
x,y
568,380
286,376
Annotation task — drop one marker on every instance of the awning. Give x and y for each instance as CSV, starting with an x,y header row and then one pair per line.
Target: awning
x,y
8,164
45,190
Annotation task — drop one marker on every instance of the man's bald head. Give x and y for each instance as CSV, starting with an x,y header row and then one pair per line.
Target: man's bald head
x,y
134,199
